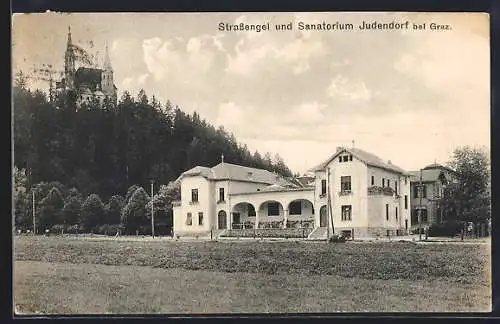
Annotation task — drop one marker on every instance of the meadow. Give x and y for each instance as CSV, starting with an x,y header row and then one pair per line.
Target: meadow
x,y
70,275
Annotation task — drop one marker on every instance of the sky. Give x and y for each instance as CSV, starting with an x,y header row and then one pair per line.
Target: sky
x,y
409,96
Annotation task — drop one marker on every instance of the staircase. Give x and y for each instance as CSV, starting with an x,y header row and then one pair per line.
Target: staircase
x,y
217,233
319,233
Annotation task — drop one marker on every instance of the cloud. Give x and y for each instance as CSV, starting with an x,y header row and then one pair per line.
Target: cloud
x,y
255,52
182,60
306,113
342,87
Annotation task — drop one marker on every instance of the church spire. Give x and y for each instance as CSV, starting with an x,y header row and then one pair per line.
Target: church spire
x,y
69,36
107,61
69,63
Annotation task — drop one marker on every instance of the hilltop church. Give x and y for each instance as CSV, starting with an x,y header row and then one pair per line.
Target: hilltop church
x,y
87,82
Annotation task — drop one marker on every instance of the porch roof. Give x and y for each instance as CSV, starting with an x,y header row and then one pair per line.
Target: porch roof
x,y
275,189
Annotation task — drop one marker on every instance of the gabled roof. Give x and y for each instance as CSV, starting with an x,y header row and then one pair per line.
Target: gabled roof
x,y
366,157
228,171
438,166
431,173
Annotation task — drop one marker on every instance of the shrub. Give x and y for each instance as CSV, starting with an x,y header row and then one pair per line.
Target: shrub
x,y
443,230
107,229
336,238
73,229
58,229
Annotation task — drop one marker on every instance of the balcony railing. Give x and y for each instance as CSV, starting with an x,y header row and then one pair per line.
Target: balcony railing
x,y
345,193
386,191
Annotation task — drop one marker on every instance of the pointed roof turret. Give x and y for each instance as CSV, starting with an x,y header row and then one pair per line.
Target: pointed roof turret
x,y
107,61
69,36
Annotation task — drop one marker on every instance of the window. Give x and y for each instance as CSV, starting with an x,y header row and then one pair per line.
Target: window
x,y
194,195
396,187
340,159
295,208
346,212
406,180
373,180
200,218
273,209
189,219
345,183
406,201
396,210
345,157
420,191
323,187
388,182
350,157
221,194
383,182
387,211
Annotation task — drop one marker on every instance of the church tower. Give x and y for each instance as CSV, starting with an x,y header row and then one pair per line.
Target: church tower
x,y
69,63
107,76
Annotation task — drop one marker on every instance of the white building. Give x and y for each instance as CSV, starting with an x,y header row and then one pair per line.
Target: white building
x,y
365,196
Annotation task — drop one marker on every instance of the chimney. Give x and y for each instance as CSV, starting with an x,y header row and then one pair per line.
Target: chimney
x,y
249,174
339,148
389,162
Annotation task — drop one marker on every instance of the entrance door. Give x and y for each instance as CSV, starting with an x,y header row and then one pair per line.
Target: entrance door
x,y
222,220
323,217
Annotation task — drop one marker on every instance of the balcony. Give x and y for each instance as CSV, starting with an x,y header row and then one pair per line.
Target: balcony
x,y
386,191
196,202
345,193
323,195
221,201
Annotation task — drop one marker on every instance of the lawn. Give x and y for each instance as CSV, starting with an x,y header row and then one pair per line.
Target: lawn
x,y
67,275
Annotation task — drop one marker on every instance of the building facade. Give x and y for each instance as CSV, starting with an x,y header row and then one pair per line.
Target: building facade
x,y
427,188
353,192
86,83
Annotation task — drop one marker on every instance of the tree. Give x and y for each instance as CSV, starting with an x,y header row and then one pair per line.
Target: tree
x,y
162,201
467,198
72,210
51,209
131,190
134,213
22,198
92,212
114,209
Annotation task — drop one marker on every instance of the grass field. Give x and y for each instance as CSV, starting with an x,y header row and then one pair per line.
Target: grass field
x,y
69,276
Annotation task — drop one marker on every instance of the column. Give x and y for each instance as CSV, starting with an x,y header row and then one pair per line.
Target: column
x,y
256,218
285,217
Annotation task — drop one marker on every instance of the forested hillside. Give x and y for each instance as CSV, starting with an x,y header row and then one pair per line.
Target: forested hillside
x,y
105,150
